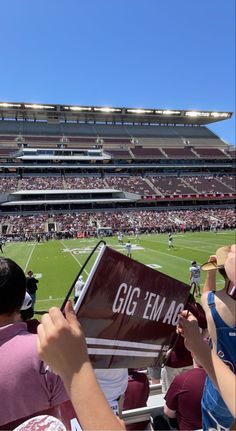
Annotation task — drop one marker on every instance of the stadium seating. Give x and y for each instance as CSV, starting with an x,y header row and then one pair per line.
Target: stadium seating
x,y
5,152
41,183
119,154
126,221
180,153
133,184
151,164
8,184
147,186
170,185
210,153
207,184
229,181
147,153
84,183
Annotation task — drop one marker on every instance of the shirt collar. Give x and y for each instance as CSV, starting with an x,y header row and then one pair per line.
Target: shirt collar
x,y
10,331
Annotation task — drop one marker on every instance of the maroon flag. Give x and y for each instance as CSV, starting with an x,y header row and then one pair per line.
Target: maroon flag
x,y
128,311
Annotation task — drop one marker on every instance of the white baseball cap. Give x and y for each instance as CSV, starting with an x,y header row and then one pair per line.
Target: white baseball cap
x,y
27,303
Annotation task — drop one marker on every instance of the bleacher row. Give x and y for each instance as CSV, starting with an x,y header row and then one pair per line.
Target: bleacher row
x,y
109,132
144,186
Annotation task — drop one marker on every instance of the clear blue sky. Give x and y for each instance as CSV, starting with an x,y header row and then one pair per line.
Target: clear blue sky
x,y
138,53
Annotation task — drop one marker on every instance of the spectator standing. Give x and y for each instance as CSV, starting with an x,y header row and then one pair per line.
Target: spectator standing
x,y
78,288
136,396
194,276
183,398
31,286
113,383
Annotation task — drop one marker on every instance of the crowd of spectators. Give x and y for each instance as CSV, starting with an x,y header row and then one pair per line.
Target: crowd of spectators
x,y
20,224
8,184
84,183
149,185
126,221
41,183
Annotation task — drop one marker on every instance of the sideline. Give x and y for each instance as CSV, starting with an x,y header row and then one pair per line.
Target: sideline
x,y
51,299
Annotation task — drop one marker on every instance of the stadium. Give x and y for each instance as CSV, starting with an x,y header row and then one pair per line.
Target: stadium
x,y
87,171
57,158
70,175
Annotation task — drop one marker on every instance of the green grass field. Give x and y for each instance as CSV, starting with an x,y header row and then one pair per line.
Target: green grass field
x,y
56,262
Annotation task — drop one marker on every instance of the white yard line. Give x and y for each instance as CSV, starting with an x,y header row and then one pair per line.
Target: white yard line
x,y
27,263
50,299
65,246
166,254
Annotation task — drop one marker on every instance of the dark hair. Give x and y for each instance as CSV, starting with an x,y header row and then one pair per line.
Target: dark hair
x,y
12,286
27,314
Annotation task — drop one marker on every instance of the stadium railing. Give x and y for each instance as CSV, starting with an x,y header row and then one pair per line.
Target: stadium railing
x,y
155,401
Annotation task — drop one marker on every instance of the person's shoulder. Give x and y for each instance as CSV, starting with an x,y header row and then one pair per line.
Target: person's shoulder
x,y
24,342
180,379
204,301
190,377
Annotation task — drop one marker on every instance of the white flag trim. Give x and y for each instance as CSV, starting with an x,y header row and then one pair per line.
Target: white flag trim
x,y
120,352
119,343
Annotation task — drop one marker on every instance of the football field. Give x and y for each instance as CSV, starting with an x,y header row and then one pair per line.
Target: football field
x,y
56,263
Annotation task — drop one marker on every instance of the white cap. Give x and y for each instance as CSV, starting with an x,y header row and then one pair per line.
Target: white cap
x,y
80,277
27,303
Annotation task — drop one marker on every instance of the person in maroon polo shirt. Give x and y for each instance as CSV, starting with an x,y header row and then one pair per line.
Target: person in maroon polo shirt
x,y
183,398
136,396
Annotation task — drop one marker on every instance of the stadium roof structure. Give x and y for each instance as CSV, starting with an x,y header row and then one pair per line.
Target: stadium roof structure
x,y
107,115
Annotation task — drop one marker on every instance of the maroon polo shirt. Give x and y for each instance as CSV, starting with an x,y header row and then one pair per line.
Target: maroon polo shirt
x,y
184,396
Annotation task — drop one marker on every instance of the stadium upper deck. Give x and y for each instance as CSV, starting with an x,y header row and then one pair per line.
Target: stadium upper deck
x,y
126,152
122,134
